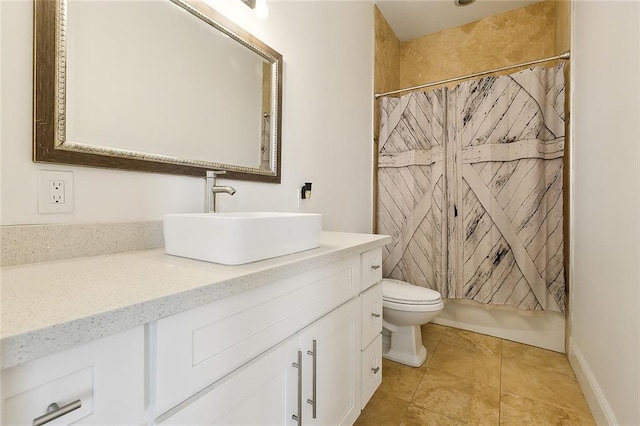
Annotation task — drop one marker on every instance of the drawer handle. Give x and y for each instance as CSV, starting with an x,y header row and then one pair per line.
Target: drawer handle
x,y
375,315
375,267
375,370
54,411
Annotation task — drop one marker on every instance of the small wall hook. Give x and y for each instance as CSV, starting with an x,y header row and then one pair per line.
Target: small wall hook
x,y
305,191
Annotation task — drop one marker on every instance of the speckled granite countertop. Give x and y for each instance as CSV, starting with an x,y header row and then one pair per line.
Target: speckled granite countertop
x,y
51,306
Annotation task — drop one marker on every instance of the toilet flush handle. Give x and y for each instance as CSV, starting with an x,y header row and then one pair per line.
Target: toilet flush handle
x,y
375,267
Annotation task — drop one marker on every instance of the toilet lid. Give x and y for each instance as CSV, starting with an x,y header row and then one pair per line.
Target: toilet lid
x,y
402,292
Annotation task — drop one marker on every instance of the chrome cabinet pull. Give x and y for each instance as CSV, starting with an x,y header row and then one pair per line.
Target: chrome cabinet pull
x,y
375,370
54,411
375,267
298,365
313,401
373,314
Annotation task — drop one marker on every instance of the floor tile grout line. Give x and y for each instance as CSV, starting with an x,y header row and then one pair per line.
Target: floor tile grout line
x,y
572,409
404,414
424,373
420,381
426,365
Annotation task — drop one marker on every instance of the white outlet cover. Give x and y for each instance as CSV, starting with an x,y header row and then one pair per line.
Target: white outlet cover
x,y
44,179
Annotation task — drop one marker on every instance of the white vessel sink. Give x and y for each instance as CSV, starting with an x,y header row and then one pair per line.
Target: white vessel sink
x,y
237,238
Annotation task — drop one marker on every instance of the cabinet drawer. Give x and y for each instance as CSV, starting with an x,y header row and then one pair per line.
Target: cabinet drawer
x,y
105,376
371,305
371,369
23,408
371,268
202,345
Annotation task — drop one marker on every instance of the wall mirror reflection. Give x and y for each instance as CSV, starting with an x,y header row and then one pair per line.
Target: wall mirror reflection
x,y
161,86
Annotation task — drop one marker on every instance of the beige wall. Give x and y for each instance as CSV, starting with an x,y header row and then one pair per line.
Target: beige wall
x,y
562,26
386,77
509,38
387,63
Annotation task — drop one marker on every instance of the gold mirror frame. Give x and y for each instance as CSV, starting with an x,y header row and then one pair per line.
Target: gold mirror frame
x,y
49,96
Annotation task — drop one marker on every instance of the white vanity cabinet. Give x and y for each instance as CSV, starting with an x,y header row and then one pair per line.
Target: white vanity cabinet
x,y
317,313
101,382
316,369
285,342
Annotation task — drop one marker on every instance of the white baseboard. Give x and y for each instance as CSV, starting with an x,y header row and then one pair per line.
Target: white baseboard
x,y
600,409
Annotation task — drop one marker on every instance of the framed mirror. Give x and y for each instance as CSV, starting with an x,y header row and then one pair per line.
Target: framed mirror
x,y
165,86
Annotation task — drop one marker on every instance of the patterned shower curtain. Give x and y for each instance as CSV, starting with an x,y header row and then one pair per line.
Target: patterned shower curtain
x,y
470,189
265,144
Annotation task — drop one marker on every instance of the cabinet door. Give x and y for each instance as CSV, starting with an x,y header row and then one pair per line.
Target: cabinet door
x,y
264,392
333,344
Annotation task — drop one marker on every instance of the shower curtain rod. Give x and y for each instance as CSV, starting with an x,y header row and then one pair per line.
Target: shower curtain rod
x,y
566,55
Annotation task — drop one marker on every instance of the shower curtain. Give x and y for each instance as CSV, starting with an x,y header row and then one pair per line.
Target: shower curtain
x,y
265,144
470,189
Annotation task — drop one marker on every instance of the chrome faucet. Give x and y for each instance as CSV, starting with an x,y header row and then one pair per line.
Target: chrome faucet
x,y
211,190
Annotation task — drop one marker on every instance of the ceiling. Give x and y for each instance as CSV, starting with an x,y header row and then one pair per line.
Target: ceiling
x,y
411,19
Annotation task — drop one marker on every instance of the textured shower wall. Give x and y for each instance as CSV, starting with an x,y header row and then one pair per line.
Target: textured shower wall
x,y
386,77
509,38
387,63
563,26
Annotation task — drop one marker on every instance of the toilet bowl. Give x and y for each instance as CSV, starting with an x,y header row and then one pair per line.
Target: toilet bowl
x,y
405,307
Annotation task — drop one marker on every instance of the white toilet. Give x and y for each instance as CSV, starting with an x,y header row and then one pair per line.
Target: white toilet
x,y
405,307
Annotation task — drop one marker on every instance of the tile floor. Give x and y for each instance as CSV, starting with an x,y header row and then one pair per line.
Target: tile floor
x,y
474,379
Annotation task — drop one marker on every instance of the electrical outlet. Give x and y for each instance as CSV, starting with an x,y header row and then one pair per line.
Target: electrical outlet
x,y
55,191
